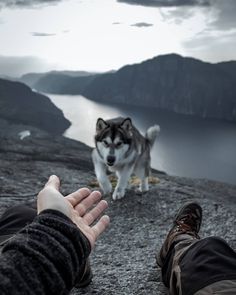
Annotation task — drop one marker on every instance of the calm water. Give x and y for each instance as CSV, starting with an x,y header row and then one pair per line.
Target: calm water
x,y
186,146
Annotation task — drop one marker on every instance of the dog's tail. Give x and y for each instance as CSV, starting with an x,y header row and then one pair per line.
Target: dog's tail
x,y
152,133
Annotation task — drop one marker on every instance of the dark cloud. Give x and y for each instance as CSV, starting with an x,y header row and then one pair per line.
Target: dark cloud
x,y
39,34
25,3
178,14
16,66
225,14
141,25
167,3
218,39
220,14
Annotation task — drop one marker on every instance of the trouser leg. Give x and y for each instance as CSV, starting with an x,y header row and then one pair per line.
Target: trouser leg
x,y
200,267
171,272
14,219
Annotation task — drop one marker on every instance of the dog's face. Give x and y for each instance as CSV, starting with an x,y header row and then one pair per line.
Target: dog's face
x,y
113,140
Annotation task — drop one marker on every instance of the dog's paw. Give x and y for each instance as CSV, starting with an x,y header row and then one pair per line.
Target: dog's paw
x,y
118,194
106,188
144,187
142,190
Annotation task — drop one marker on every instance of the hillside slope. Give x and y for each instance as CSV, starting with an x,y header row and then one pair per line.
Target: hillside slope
x,y
20,104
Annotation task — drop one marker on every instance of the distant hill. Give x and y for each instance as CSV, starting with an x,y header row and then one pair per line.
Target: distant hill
x,y
62,84
19,104
49,79
171,82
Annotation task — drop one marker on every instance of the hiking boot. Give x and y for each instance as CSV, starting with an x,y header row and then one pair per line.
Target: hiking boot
x,y
187,222
86,277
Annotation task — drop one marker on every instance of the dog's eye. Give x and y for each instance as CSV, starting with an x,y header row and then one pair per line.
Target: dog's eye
x,y
119,144
105,142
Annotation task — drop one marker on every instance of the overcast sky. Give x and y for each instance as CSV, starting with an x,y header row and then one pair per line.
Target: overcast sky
x,y
101,35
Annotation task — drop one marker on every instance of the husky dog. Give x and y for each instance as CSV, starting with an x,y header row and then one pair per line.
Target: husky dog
x,y
122,149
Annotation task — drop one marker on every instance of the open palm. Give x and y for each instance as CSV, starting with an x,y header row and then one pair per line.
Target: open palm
x,y
83,207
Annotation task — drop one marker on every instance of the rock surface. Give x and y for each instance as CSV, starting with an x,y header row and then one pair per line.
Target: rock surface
x,y
124,259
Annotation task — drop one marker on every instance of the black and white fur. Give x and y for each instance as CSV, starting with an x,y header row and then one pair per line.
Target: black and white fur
x,y
122,149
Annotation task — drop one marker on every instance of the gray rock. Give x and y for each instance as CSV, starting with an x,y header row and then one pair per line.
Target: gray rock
x,y
124,258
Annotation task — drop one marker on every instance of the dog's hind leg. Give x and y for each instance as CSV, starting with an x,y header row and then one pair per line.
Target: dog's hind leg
x,y
142,172
100,171
123,178
144,187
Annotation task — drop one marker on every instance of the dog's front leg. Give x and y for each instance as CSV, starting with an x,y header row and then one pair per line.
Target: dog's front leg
x,y
102,178
100,171
123,178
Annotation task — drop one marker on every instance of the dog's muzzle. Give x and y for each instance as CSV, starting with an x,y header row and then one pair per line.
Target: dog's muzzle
x,y
111,160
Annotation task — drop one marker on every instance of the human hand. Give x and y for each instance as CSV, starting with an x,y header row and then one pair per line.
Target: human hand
x,y
78,206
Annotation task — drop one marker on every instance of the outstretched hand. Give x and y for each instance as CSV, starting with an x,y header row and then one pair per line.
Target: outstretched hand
x,y
83,207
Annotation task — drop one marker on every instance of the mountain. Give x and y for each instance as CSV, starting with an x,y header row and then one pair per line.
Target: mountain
x,y
19,104
180,84
229,67
31,78
60,82
174,83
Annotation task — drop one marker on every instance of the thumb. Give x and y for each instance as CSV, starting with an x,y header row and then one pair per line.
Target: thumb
x,y
54,182
51,198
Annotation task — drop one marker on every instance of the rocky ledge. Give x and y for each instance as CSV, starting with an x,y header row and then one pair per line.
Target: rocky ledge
x,y
124,259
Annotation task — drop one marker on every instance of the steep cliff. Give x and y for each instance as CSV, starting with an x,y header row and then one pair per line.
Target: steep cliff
x,y
171,82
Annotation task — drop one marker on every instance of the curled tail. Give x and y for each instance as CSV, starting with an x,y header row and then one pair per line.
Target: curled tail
x,y
152,133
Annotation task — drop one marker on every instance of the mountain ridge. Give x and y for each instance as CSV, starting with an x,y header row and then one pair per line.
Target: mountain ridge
x,y
171,82
179,84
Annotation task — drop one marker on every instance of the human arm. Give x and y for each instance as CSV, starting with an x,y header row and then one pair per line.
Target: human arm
x,y
46,256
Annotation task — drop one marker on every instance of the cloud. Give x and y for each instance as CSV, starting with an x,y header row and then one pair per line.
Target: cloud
x,y
141,25
116,23
26,3
213,46
213,29
225,12
220,14
167,3
39,34
14,66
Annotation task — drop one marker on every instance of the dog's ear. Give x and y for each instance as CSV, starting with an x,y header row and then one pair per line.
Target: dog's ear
x,y
127,125
101,124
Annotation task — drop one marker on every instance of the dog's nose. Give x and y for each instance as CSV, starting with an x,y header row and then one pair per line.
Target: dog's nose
x,y
110,160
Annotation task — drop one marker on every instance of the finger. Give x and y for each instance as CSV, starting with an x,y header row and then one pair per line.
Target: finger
x,y
54,182
101,225
88,202
77,196
91,216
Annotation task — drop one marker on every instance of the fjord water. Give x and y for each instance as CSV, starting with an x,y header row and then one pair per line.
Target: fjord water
x,y
186,146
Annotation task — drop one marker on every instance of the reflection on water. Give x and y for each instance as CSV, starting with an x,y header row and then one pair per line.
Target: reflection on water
x,y
187,146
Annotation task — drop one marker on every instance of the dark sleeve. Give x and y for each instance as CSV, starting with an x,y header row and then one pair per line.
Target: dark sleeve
x,y
46,257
